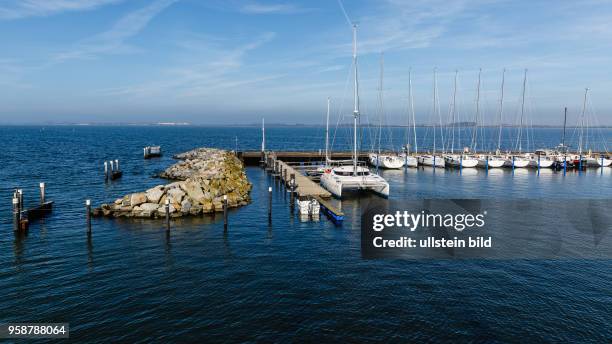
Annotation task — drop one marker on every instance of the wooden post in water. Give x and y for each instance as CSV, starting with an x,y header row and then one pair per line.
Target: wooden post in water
x,y
539,158
117,165
225,212
269,204
88,215
42,193
105,170
16,214
292,186
564,164
167,214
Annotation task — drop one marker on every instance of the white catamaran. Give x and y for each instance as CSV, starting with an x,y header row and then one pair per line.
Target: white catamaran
x,y
432,159
354,177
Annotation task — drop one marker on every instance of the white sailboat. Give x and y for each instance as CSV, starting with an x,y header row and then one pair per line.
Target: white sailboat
x,y
589,159
459,160
379,159
496,160
409,160
433,159
339,179
519,160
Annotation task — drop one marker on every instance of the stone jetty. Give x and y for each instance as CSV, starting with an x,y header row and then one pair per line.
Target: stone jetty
x,y
201,178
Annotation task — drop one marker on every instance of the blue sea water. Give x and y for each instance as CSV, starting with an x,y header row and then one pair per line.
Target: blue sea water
x,y
291,281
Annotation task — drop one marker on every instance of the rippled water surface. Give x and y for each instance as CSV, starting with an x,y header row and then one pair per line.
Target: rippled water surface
x,y
300,281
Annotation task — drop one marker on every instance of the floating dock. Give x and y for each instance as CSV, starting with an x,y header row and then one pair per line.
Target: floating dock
x,y
303,185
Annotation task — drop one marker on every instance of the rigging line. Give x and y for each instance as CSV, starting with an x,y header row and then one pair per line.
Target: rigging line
x,y
348,20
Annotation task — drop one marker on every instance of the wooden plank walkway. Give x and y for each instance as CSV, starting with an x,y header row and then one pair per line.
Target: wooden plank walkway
x,y
304,186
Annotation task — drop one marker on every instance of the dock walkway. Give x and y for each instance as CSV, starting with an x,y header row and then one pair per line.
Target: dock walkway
x,y
304,186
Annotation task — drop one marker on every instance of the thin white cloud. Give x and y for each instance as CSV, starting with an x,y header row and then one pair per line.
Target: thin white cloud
x,y
222,69
114,40
281,8
16,9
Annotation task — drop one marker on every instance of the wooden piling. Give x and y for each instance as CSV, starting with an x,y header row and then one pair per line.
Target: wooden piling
x,y
42,193
292,188
225,212
20,195
88,215
105,170
117,165
16,214
269,204
167,214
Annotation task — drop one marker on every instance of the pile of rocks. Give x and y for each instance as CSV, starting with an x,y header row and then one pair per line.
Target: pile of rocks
x,y
204,176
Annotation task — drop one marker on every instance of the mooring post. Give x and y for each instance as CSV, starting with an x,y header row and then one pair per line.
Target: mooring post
x,y
105,170
225,212
16,215
167,214
144,152
112,168
88,215
269,204
292,181
564,164
513,162
285,177
20,195
42,193
434,164
117,165
580,163
487,163
539,158
461,162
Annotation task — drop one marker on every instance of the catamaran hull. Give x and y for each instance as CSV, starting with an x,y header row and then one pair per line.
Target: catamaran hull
x,y
337,188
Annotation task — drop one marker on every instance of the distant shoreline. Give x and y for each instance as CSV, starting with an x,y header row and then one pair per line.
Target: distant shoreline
x,y
277,125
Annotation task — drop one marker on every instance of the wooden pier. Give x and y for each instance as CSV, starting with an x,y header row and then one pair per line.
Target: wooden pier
x,y
303,185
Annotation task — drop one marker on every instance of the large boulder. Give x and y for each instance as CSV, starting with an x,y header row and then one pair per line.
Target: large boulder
x,y
138,199
155,194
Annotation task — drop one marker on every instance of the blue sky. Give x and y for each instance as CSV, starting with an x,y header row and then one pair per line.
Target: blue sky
x,y
230,62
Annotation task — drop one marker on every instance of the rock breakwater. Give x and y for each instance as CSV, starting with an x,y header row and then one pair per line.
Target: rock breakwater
x,y
202,178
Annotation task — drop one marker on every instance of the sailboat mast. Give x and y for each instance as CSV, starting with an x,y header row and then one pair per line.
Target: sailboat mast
x,y
564,125
520,135
412,109
501,110
356,100
454,118
434,109
327,133
263,135
475,132
380,95
586,91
